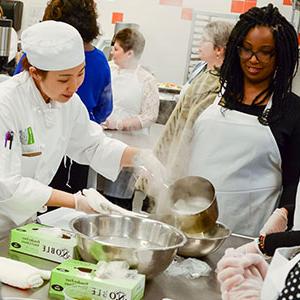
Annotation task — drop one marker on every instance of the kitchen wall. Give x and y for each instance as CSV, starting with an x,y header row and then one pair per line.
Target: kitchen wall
x,y
166,25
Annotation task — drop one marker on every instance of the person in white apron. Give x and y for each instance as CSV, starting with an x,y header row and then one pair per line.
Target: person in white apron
x,y
135,90
41,120
244,142
135,103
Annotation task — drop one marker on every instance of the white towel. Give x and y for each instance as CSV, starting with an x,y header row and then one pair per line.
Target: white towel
x,y
21,275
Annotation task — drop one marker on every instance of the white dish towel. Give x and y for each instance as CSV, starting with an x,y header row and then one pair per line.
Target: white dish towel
x,y
21,275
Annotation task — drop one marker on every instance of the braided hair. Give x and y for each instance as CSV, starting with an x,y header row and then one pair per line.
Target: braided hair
x,y
286,49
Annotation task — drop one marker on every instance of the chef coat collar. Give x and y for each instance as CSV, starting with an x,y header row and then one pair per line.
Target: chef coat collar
x,y
38,100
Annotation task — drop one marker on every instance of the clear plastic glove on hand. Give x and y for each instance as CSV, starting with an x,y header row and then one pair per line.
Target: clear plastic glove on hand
x,y
112,124
21,275
249,288
250,247
150,167
101,205
234,268
82,203
277,222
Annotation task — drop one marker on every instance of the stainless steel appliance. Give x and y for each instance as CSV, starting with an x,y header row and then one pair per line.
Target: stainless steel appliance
x,y
13,10
5,33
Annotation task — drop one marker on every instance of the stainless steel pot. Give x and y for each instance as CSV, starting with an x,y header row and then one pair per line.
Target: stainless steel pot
x,y
198,193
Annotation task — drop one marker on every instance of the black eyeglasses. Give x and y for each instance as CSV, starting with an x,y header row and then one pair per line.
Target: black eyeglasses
x,y
262,56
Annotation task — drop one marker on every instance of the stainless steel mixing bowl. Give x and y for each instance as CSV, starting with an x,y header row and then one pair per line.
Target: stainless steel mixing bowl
x,y
197,193
202,244
147,245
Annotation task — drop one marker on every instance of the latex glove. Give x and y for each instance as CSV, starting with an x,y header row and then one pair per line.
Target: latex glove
x,y
101,205
21,275
82,203
277,222
232,271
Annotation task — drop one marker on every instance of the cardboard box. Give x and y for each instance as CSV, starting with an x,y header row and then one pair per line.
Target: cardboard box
x,y
74,272
43,241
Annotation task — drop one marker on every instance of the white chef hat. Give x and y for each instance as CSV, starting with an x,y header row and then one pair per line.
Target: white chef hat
x,y
53,46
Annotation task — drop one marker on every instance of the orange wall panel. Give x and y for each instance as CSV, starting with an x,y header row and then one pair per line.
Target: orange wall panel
x,y
237,6
117,17
287,2
249,4
187,14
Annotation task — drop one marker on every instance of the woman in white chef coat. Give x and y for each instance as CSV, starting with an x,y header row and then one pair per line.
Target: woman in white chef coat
x,y
42,119
135,91
247,143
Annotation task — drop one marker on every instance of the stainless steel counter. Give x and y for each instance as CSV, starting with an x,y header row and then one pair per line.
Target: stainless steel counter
x,y
163,286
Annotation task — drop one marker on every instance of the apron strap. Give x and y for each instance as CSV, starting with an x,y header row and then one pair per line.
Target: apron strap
x,y
263,119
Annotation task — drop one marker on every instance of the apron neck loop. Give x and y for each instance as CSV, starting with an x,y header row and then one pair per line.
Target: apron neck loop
x,y
263,118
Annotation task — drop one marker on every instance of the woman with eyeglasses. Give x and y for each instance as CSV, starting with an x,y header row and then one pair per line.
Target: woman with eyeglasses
x,y
247,143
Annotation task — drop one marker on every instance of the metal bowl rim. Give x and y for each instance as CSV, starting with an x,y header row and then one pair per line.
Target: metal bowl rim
x,y
170,227
212,238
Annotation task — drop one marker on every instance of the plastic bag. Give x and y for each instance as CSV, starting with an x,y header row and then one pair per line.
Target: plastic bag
x,y
191,268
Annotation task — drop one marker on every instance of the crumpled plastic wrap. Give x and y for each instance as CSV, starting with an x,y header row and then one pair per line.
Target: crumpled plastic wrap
x,y
114,270
191,268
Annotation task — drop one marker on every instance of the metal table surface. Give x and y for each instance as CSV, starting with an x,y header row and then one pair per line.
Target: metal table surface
x,y
162,286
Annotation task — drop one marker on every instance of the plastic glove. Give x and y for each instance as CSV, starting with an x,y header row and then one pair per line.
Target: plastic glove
x,y
277,222
101,205
251,247
250,288
82,203
233,271
152,169
112,124
21,275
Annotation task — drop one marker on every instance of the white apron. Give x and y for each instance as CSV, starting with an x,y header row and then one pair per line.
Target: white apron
x,y
240,157
127,96
283,261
